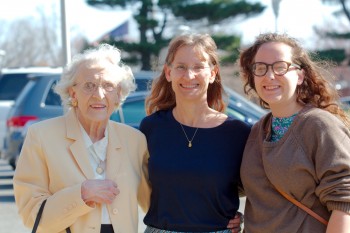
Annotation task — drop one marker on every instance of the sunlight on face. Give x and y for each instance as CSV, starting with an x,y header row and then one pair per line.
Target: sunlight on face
x,y
190,73
98,103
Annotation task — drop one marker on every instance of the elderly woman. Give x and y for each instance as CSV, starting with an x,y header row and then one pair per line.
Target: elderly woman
x,y
88,168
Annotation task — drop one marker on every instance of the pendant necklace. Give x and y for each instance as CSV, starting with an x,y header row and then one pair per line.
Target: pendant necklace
x,y
189,141
100,169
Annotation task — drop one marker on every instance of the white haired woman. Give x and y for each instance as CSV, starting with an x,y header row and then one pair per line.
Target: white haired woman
x,y
88,168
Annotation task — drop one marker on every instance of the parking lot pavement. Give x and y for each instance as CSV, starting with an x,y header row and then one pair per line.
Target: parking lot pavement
x,y
10,221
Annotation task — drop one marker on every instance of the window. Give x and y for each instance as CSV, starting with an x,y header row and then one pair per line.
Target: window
x,y
11,85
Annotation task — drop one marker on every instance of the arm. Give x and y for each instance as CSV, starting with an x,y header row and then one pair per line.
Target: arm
x,y
144,191
33,182
339,222
236,223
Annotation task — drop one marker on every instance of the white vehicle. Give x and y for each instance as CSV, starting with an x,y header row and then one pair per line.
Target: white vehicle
x,y
12,81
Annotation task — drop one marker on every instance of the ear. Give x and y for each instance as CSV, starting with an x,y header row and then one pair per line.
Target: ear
x,y
167,72
301,76
71,92
213,74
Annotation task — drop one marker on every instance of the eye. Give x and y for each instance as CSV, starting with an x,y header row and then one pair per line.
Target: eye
x,y
108,86
280,67
90,86
198,67
260,67
180,67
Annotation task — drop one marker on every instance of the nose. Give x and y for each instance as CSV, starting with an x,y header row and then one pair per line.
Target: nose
x,y
270,74
100,92
189,73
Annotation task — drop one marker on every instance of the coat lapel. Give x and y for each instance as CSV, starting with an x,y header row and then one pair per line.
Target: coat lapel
x,y
115,152
78,147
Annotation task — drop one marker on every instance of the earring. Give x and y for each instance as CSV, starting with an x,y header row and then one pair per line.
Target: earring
x,y
74,103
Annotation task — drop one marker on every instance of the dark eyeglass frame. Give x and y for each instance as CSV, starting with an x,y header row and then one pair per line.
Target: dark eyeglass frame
x,y
289,64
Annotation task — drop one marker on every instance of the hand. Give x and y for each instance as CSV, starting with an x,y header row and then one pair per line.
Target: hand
x,y
99,191
235,223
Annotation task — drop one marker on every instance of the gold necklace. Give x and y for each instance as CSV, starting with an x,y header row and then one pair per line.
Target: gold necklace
x,y
100,169
189,141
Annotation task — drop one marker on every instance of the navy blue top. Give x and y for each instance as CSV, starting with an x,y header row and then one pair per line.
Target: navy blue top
x,y
193,189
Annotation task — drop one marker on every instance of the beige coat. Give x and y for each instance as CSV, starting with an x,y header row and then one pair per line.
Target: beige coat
x,y
53,164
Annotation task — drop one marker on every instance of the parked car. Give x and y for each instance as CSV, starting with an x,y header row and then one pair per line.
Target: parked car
x,y
12,81
36,101
346,103
345,100
243,109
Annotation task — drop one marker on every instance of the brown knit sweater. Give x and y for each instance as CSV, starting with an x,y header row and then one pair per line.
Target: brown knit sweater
x,y
311,162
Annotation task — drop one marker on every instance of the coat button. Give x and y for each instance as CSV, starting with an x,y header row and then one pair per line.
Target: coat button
x,y
115,211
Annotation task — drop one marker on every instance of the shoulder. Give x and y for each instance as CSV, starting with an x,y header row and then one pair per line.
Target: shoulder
x,y
316,118
315,125
235,128
155,118
237,124
125,129
55,122
260,128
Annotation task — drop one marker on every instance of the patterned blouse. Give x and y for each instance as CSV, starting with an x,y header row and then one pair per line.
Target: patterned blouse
x,y
280,125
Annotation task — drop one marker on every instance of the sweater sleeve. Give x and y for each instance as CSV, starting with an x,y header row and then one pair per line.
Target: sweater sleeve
x,y
330,150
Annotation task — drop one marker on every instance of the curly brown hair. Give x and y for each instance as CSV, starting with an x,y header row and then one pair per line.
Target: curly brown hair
x,y
162,96
317,88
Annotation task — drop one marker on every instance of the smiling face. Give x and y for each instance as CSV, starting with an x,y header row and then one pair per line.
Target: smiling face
x,y
190,74
94,106
278,91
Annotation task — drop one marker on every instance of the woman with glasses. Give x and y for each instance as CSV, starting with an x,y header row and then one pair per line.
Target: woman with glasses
x,y
88,168
299,153
195,148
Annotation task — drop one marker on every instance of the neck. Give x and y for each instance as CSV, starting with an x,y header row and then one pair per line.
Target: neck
x,y
194,116
286,110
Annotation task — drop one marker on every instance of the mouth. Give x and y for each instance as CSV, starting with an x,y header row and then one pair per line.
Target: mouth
x,y
189,86
271,88
98,106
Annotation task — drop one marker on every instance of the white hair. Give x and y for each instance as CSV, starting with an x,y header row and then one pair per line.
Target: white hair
x,y
104,56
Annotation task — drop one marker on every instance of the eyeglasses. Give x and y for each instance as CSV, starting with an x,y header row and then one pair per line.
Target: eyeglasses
x,y
91,87
279,68
182,69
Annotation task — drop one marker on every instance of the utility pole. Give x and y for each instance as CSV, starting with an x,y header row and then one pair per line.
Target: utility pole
x,y
275,7
65,35
2,55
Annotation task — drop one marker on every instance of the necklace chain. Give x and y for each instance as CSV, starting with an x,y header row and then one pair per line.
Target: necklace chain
x,y
100,169
189,141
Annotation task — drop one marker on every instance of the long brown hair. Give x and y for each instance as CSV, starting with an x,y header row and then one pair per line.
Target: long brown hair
x,y
162,96
317,88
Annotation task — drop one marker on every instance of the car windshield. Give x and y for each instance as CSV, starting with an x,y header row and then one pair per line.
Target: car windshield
x,y
11,85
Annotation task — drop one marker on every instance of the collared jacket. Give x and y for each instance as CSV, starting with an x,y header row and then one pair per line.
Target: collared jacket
x,y
311,163
53,164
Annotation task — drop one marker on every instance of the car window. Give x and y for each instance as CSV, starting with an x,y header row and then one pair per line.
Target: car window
x,y
235,114
134,111
11,85
142,84
130,113
52,97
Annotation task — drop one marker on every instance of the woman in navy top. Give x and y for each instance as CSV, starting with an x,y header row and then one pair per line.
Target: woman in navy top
x,y
195,149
